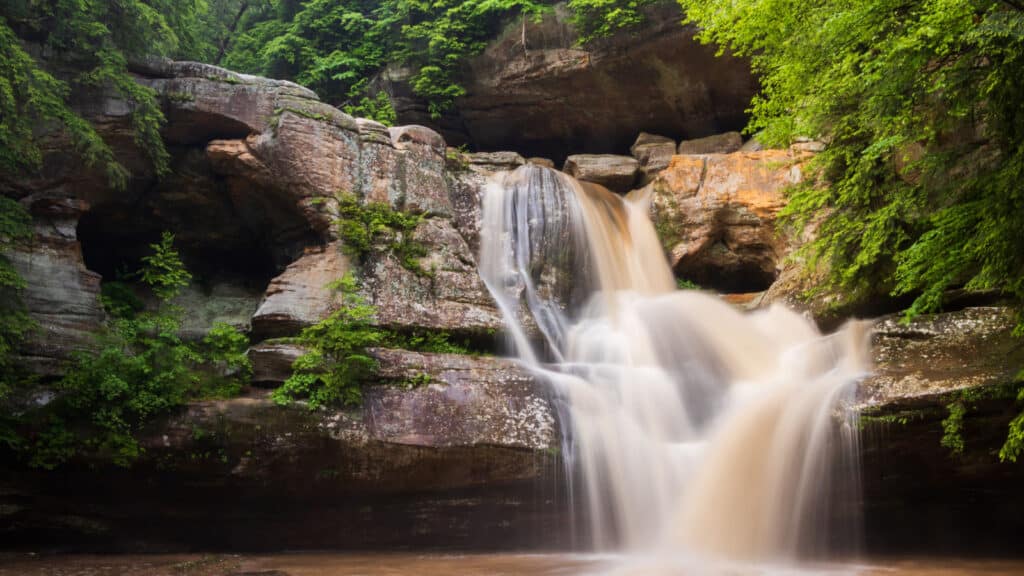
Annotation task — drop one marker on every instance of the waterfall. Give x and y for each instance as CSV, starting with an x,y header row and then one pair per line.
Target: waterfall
x,y
687,425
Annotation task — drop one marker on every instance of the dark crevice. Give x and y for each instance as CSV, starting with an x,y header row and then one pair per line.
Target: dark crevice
x,y
219,239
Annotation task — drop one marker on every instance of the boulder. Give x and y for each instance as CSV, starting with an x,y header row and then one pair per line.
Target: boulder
x,y
617,173
716,144
716,214
654,153
301,296
537,90
495,161
272,361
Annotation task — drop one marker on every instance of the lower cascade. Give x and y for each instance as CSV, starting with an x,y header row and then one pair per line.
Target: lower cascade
x,y
688,426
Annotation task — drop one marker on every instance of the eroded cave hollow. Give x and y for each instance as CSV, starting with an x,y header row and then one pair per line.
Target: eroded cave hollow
x,y
232,240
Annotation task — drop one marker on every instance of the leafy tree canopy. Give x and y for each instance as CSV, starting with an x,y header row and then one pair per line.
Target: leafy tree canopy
x,y
920,104
90,43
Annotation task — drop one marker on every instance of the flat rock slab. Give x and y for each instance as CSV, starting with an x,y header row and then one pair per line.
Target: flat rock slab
x,y
942,353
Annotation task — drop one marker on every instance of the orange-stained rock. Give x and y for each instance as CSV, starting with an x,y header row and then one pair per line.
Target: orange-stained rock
x,y
716,215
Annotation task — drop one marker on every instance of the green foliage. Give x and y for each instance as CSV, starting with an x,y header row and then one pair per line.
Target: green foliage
x,y
377,108
15,324
141,368
1014,444
163,270
91,44
423,341
416,381
952,428
336,363
919,102
684,284
15,227
226,347
599,18
366,227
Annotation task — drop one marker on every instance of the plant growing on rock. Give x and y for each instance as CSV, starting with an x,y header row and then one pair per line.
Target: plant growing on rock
x,y
336,363
365,227
15,226
140,369
15,323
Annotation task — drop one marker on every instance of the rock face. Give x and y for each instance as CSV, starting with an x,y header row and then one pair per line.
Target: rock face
x,y
300,296
258,166
535,90
63,296
918,494
716,214
934,355
445,464
446,451
617,173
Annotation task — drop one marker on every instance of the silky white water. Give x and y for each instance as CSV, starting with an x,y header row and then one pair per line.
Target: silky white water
x,y
688,426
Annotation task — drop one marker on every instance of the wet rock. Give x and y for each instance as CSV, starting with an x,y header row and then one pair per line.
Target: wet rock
x,y
472,400
716,214
444,464
918,493
617,173
545,162
717,144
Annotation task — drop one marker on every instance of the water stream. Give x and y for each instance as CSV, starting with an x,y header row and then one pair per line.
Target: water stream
x,y
688,426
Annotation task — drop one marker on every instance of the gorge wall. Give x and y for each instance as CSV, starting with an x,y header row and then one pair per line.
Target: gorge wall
x,y
472,456
537,90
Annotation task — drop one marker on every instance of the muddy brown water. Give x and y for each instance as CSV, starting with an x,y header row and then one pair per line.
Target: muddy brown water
x,y
330,564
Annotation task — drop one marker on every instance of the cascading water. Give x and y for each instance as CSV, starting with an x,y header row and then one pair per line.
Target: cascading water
x,y
691,426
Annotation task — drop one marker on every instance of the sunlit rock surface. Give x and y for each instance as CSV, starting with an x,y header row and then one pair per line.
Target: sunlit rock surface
x,y
716,216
